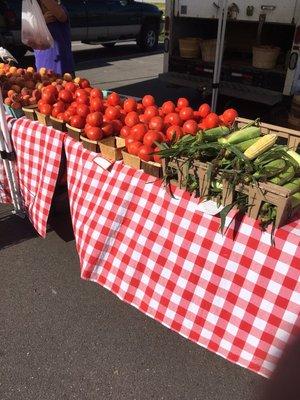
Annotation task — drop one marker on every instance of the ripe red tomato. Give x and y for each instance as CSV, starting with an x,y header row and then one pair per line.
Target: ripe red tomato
x,y
202,126
96,104
93,133
156,123
186,113
143,119
88,90
77,121
133,147
182,102
83,100
117,125
112,113
55,112
174,132
48,98
60,106
130,105
80,92
107,129
71,87
190,127
138,131
67,116
204,110
46,109
66,96
83,110
150,112
229,116
95,119
60,116
168,107
211,121
72,110
96,93
145,153
84,83
128,141
140,108
132,118
156,157
173,119
113,99
151,137
148,100
50,89
39,103
125,131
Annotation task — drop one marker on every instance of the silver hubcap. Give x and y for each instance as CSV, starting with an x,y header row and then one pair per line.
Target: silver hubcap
x,y
150,38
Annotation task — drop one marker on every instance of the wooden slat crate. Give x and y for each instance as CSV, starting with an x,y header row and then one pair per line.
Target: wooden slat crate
x,y
291,136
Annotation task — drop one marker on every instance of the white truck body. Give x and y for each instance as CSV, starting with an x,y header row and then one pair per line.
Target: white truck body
x,y
184,18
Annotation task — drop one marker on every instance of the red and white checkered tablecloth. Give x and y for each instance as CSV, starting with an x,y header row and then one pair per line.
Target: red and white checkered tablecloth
x,y
234,294
5,196
38,149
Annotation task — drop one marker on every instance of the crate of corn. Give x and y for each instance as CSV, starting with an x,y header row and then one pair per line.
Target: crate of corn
x,y
290,137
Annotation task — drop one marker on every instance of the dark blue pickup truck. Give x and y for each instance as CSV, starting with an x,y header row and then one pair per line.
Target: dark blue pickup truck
x,y
92,21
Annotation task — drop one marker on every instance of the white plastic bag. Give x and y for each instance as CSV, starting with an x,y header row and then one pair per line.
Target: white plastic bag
x,y
35,33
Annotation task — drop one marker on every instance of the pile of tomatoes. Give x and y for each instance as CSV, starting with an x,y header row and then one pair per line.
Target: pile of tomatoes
x,y
142,124
146,124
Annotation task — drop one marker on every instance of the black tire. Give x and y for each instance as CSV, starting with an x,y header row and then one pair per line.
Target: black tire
x,y
108,45
148,39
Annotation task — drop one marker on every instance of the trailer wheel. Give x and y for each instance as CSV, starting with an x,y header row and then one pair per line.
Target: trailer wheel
x,y
148,38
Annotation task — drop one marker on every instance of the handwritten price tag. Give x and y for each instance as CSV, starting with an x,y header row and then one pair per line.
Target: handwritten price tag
x,y
103,163
210,207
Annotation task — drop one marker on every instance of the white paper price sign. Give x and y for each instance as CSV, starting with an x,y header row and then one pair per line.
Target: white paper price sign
x,y
210,207
103,163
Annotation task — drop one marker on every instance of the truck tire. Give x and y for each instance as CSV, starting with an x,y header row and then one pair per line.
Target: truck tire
x,y
148,38
18,52
108,45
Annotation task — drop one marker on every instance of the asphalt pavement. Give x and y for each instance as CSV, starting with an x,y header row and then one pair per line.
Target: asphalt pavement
x,y
65,338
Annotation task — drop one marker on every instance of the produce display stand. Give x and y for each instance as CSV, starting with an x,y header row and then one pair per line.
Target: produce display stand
x,y
234,294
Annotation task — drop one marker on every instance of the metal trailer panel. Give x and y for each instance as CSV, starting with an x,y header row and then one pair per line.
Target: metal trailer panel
x,y
277,11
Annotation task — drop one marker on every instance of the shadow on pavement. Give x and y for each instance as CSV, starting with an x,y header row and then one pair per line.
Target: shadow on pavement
x,y
14,230
285,381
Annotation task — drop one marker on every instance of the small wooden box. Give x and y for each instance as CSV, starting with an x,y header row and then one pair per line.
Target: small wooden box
x,y
75,133
58,124
43,118
111,148
131,160
91,145
30,113
152,168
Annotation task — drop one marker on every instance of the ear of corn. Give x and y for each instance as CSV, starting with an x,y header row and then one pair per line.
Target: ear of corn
x,y
295,200
262,145
270,169
293,186
294,155
284,176
242,135
212,135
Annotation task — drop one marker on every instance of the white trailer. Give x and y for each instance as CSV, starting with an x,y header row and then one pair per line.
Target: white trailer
x,y
272,22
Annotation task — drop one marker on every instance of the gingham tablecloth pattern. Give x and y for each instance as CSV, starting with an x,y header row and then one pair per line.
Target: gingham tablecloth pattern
x,y
234,294
38,149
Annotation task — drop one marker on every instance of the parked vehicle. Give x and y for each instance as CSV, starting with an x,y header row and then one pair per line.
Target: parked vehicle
x,y
92,21
274,23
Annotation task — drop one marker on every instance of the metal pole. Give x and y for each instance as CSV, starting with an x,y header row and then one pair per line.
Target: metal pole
x,y
6,145
219,53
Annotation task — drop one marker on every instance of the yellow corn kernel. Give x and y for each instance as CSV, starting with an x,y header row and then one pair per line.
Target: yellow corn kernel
x,y
263,144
